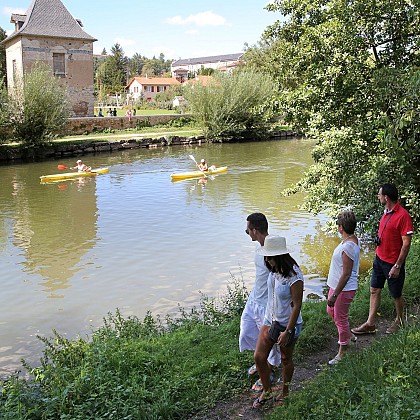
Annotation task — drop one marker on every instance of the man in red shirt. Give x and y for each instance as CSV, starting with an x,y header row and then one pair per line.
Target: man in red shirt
x,y
393,243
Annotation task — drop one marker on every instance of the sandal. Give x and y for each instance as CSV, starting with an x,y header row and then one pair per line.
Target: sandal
x,y
258,386
259,402
252,370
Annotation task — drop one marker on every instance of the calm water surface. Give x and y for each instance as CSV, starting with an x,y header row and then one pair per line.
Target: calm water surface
x,y
71,252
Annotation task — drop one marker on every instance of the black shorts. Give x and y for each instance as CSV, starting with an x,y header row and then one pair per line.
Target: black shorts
x,y
380,274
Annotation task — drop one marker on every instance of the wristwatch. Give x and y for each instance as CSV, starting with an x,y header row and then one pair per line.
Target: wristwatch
x,y
335,295
290,331
397,266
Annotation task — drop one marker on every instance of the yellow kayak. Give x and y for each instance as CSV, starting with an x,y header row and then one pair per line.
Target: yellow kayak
x,y
197,174
69,175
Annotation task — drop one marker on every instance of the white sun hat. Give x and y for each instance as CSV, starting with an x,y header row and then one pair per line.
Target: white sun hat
x,y
202,160
273,245
79,161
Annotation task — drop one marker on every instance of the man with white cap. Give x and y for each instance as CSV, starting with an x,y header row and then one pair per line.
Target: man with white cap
x,y
81,167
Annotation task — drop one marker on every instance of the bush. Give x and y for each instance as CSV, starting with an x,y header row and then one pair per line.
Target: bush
x,y
231,106
38,107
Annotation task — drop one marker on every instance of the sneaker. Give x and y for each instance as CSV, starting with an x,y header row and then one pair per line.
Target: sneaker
x,y
364,329
394,327
352,341
335,360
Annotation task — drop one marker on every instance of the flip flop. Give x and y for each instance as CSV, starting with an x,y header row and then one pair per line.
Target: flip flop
x,y
259,402
258,386
252,370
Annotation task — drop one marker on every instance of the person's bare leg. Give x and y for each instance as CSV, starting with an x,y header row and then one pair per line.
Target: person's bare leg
x,y
399,308
375,300
262,350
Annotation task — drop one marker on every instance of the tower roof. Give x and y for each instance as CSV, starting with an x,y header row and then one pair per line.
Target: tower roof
x,y
50,18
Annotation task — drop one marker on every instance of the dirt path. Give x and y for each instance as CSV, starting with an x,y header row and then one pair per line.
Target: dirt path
x,y
240,407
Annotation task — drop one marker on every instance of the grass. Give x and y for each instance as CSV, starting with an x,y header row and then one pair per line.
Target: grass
x,y
150,369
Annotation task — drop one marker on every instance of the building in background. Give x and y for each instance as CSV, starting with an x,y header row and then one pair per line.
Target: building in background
x,y
48,33
183,69
148,87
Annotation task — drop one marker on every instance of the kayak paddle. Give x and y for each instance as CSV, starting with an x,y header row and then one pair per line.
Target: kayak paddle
x,y
196,164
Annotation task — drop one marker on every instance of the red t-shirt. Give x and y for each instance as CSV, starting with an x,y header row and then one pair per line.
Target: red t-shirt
x,y
392,227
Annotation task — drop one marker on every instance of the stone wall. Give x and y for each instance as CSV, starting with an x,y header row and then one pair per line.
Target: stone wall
x,y
59,150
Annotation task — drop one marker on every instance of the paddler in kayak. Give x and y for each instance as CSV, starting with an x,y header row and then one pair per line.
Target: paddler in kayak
x,y
81,167
203,166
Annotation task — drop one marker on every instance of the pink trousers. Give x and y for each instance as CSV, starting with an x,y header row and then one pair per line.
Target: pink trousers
x,y
340,314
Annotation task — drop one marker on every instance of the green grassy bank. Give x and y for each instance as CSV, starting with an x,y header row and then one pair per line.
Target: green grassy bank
x,y
172,368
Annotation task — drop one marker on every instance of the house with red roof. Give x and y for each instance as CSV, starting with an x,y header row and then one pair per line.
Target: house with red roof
x,y
148,87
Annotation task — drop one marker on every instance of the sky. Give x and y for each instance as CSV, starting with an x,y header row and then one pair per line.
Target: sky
x,y
176,28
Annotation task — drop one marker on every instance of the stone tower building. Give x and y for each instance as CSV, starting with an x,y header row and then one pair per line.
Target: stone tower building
x,y
48,33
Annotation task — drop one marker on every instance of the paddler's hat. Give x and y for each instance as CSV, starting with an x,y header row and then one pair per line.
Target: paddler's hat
x,y
79,161
202,160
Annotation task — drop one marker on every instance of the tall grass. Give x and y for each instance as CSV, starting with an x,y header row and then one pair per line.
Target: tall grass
x,y
379,383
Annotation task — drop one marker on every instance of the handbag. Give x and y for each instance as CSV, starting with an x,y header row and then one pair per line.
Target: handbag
x,y
276,328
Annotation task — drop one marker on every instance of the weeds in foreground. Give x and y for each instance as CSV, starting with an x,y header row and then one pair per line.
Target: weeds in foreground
x,y
133,369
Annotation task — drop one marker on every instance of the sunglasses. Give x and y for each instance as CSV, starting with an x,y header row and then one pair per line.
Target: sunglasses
x,y
247,230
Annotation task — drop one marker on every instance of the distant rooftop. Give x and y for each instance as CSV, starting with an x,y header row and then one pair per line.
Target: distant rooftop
x,y
204,60
49,18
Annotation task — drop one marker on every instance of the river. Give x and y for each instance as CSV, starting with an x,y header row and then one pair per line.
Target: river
x,y
132,239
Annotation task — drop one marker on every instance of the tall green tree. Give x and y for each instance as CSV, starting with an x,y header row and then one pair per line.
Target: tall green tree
x,y
231,106
348,73
111,75
37,107
3,71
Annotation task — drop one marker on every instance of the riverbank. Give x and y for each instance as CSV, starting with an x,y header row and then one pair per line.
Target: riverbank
x,y
149,369
112,141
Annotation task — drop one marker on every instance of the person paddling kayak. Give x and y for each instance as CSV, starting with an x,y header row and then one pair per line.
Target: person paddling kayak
x,y
81,167
203,166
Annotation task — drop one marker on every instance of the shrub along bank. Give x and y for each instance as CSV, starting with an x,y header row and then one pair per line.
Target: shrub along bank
x,y
172,368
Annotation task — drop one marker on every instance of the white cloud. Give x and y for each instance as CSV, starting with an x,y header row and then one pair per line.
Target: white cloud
x,y
191,32
10,10
200,19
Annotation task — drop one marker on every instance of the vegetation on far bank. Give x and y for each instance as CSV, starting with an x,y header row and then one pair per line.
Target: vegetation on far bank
x,y
183,365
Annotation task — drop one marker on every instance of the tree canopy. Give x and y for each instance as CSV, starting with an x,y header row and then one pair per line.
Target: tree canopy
x,y
3,73
36,108
348,74
231,105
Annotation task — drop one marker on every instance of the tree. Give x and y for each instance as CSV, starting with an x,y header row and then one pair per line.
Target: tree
x,y
111,75
231,106
348,74
37,107
3,70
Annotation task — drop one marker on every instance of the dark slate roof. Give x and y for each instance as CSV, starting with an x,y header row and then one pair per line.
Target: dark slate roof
x,y
204,60
50,18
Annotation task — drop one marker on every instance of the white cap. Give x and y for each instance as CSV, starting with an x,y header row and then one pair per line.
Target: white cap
x,y
79,161
202,160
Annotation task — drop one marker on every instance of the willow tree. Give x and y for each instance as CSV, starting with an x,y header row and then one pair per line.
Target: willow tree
x,y
231,106
37,107
348,73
